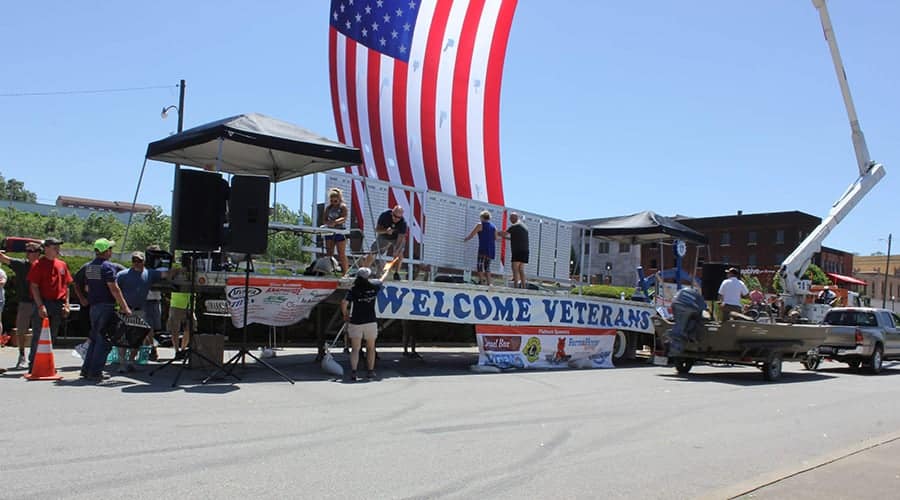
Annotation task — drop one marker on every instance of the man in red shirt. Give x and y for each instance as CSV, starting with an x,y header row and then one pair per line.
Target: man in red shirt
x,y
49,279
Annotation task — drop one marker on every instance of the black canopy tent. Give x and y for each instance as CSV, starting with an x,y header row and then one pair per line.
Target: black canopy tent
x,y
254,144
645,227
250,144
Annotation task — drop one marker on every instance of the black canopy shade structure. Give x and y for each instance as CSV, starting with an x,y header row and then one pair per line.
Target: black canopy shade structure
x,y
250,144
643,227
254,144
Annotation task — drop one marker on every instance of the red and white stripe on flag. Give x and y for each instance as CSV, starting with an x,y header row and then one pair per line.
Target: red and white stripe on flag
x,y
416,86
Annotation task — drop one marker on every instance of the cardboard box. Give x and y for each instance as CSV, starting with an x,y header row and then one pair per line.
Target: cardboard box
x,y
210,345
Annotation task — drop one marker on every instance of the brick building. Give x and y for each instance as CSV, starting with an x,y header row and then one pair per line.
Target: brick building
x,y
756,243
872,270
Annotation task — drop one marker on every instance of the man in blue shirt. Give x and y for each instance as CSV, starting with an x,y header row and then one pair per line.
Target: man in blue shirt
x,y
135,282
487,247
103,294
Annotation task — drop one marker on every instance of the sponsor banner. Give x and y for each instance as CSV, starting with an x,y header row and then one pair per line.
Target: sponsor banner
x,y
437,302
544,347
275,301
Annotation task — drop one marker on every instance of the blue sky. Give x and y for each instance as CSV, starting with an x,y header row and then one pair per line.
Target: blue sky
x,y
699,108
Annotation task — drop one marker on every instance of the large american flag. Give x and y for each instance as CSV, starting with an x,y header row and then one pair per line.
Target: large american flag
x,y
416,86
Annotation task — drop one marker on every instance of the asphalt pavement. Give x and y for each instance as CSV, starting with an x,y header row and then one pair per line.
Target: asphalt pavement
x,y
433,429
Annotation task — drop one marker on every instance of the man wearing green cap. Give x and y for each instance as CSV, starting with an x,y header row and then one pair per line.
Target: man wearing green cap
x,y
103,294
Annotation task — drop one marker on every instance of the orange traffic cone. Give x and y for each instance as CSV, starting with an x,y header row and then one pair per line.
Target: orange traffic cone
x,y
44,368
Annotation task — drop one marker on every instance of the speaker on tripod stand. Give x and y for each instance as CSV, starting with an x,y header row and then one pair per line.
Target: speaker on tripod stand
x,y
198,217
248,234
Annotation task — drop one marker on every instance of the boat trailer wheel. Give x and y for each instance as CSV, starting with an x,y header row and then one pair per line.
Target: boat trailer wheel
x,y
772,367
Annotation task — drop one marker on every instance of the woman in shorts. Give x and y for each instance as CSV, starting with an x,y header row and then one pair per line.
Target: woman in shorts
x,y
336,218
362,324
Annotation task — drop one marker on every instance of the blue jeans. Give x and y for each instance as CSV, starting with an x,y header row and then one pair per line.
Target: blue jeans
x,y
102,315
54,313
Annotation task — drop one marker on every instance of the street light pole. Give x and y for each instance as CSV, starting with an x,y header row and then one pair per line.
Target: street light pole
x,y
887,267
180,109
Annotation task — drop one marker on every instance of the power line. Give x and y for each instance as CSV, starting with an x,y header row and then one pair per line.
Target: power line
x,y
90,91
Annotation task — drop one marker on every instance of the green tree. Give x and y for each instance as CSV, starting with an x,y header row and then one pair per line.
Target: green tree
x,y
101,226
813,273
13,189
152,228
286,245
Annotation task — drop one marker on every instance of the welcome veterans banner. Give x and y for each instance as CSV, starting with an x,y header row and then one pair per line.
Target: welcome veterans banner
x,y
286,301
544,347
454,304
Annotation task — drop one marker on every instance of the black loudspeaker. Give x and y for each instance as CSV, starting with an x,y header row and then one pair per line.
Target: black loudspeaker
x,y
198,210
248,215
713,276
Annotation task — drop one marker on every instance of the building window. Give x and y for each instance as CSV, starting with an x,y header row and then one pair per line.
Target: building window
x,y
587,248
779,258
701,261
725,240
751,260
779,238
751,237
624,247
654,246
603,247
653,264
725,260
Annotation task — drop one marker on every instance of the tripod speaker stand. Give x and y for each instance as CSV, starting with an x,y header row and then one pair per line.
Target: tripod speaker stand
x,y
243,352
190,351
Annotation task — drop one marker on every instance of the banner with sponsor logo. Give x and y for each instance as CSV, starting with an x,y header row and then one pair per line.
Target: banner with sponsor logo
x,y
456,304
276,301
544,347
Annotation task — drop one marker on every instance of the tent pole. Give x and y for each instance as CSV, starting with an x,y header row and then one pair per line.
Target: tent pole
x,y
133,203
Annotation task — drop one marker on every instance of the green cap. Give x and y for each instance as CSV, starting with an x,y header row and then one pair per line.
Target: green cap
x,y
103,244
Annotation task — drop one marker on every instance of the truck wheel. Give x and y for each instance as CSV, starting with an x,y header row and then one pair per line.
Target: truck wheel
x,y
772,367
811,363
683,365
876,360
619,344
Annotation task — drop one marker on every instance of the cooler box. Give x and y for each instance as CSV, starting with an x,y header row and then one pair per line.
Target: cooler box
x,y
210,345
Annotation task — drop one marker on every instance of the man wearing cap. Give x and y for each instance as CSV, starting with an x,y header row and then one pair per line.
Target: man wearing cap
x,y
135,282
49,280
730,292
23,292
103,294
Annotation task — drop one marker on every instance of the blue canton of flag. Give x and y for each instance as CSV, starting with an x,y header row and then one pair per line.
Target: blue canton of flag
x,y
385,26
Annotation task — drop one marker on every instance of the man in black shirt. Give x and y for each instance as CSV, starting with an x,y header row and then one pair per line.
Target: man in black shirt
x,y
23,294
517,233
390,239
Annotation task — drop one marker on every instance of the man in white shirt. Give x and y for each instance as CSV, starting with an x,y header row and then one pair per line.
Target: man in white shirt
x,y
730,292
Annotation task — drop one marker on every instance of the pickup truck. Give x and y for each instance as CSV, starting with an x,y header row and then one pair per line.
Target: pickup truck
x,y
861,336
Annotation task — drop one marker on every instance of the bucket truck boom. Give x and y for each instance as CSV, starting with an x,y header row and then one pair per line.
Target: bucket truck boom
x,y
794,266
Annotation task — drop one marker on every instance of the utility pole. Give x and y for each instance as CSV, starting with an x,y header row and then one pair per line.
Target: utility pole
x,y
887,267
177,166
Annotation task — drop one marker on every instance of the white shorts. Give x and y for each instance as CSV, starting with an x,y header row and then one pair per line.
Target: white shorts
x,y
364,331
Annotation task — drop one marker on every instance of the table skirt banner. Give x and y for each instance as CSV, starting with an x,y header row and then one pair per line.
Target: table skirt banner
x,y
544,347
276,301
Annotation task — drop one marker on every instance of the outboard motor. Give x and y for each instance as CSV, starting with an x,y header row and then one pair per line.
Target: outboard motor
x,y
687,307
